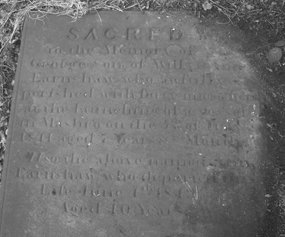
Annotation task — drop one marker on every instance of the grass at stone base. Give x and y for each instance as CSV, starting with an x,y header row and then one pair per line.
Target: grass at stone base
x,y
262,20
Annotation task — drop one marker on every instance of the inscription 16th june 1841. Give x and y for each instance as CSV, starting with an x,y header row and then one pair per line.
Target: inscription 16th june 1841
x,y
132,124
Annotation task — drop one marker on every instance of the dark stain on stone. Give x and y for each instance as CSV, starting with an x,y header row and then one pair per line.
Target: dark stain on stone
x,y
238,146
122,231
234,219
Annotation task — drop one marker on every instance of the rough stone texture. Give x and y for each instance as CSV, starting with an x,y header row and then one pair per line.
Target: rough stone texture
x,y
134,124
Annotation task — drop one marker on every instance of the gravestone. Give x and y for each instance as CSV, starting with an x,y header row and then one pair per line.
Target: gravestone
x,y
133,124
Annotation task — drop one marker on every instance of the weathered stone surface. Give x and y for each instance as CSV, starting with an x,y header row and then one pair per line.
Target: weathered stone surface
x,y
132,124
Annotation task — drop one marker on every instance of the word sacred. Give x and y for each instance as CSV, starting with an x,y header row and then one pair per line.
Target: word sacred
x,y
135,34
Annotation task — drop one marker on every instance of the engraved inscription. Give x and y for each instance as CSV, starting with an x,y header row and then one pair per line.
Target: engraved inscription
x,y
129,34
144,120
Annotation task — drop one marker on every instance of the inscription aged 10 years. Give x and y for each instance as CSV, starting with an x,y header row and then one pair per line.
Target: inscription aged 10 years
x,y
132,124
